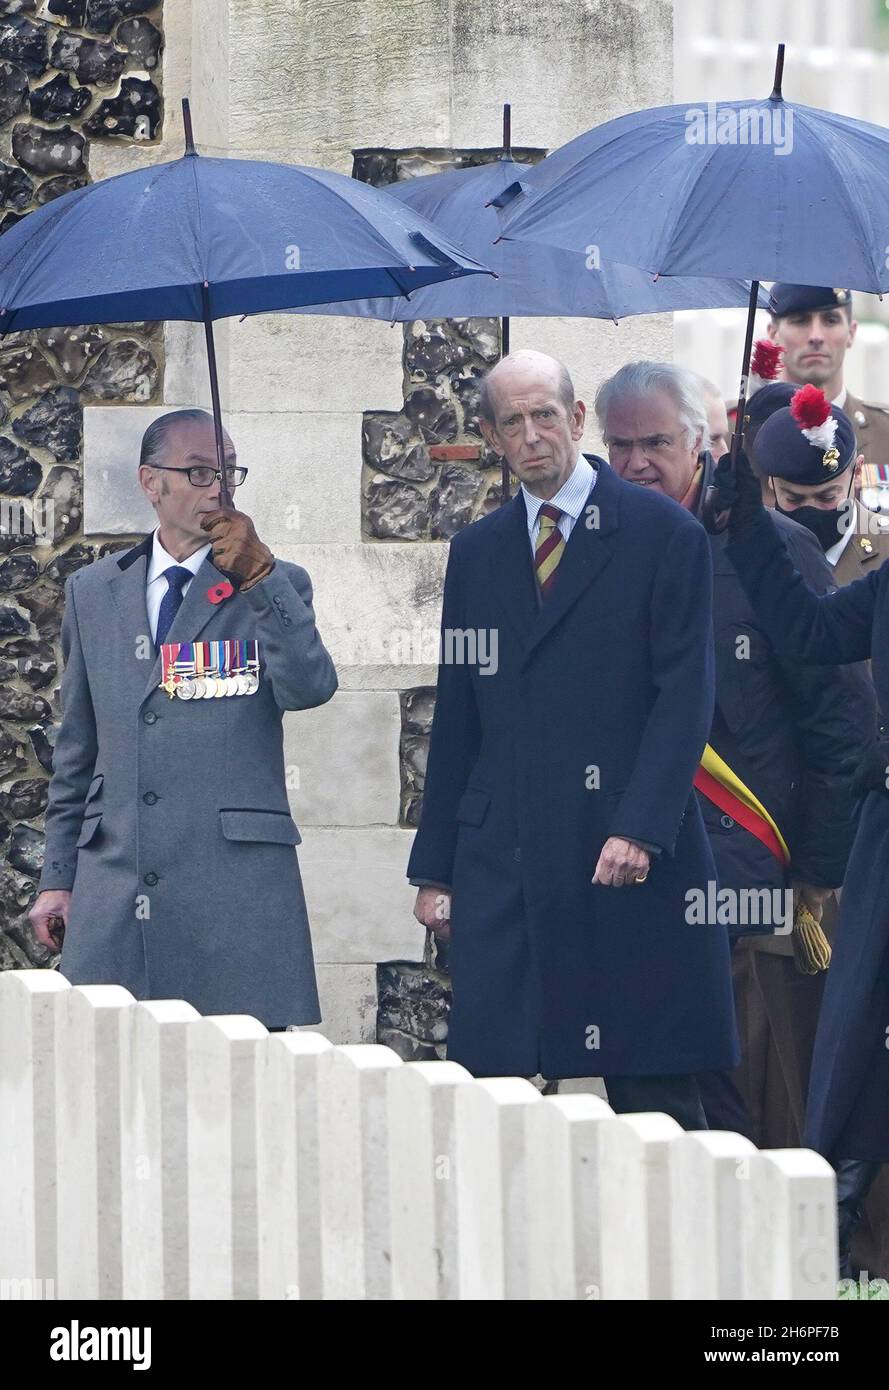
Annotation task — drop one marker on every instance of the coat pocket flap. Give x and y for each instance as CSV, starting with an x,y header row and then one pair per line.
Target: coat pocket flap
x,y
95,786
88,829
275,826
473,806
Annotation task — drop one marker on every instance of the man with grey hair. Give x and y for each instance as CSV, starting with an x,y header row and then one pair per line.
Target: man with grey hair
x,y
170,865
560,836
787,734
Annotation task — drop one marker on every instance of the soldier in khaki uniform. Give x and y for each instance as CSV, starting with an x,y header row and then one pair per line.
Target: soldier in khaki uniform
x,y
815,327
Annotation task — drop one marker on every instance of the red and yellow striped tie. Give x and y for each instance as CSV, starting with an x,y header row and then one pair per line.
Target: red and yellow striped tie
x,y
548,548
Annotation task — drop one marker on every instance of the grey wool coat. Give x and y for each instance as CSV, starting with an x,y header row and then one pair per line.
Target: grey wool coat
x,y
169,818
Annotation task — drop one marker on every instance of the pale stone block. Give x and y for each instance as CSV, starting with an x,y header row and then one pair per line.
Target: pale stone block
x,y
492,1188
423,1171
634,1205
709,1182
355,1219
603,69
563,1189
360,902
30,1005
790,1240
289,1186
315,362
304,484
348,997
378,608
113,501
154,1136
223,1230
389,86
342,760
88,1141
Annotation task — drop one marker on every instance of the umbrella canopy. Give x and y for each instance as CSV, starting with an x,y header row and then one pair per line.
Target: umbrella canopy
x,y
200,239
259,236
670,190
531,280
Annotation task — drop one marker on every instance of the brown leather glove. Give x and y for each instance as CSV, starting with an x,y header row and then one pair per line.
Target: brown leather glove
x,y
237,550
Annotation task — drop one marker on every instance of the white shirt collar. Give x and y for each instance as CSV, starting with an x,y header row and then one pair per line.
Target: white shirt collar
x,y
570,497
161,559
833,554
840,400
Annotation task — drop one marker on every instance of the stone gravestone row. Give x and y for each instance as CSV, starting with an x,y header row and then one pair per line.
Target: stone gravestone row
x,y
153,1153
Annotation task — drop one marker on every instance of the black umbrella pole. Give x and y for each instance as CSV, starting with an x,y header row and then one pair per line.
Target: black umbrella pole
x,y
504,466
224,492
714,521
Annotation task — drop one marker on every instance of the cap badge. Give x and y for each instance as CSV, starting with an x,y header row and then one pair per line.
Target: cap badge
x,y
831,460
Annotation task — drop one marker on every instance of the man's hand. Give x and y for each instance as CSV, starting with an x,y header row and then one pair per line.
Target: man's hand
x,y
433,910
811,897
52,902
236,547
621,862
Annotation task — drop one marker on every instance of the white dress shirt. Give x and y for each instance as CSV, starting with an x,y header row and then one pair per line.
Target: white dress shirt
x,y
156,585
570,499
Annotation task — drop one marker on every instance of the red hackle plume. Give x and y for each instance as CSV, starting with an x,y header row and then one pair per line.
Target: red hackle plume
x,y
809,407
766,360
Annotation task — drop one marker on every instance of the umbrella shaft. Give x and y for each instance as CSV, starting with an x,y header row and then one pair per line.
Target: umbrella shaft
x,y
225,494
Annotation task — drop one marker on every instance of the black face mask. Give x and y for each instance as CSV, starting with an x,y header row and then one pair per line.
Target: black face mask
x,y
828,525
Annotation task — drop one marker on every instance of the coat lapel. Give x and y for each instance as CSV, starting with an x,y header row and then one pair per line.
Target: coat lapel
x,y
127,586
590,547
512,566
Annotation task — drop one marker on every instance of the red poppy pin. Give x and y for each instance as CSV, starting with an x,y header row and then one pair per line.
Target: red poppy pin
x,y
218,592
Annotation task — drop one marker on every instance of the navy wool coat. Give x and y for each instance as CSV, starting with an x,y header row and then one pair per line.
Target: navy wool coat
x,y
848,1105
591,725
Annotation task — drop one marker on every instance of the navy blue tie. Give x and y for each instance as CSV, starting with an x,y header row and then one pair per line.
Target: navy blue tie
x,y
176,576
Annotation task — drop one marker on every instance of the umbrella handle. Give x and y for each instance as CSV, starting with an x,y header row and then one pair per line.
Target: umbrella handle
x,y
715,522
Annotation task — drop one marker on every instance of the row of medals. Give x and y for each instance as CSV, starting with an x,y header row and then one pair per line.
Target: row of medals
x,y
212,686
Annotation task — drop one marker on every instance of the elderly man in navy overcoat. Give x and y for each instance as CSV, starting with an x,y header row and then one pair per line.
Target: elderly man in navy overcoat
x,y
561,849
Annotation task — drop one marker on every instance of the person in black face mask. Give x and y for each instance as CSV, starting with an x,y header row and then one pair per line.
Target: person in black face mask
x,y
808,453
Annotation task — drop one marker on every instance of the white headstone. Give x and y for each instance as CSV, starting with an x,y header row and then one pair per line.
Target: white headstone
x,y
563,1196
492,1187
154,1146
30,1002
423,1176
634,1205
791,1230
355,1226
710,1180
289,1193
88,1141
223,1239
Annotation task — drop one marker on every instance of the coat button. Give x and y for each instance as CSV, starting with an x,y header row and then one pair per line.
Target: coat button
x,y
150,798
726,822
150,879
149,717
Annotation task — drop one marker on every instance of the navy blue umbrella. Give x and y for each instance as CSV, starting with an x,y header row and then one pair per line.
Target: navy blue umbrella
x,y
766,189
201,239
531,280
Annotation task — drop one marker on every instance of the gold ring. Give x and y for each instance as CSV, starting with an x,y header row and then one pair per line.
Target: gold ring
x,y
640,878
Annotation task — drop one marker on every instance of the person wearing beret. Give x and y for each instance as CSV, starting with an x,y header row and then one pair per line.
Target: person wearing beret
x,y
847,1116
814,326
817,487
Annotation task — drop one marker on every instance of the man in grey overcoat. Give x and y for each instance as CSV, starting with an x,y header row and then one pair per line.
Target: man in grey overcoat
x,y
170,847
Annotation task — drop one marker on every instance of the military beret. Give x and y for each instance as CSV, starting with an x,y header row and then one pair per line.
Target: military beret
x,y
775,395
808,442
804,299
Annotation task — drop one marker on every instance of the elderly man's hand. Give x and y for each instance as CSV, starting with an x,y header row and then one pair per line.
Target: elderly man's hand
x,y
433,910
621,862
236,547
48,914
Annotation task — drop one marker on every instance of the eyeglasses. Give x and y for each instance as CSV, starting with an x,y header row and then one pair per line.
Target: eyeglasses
x,y
202,475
